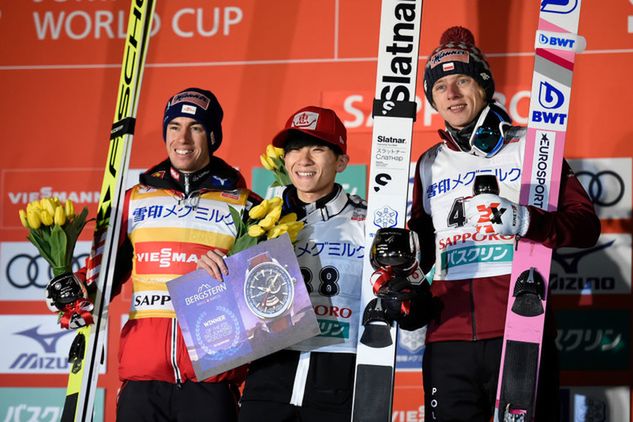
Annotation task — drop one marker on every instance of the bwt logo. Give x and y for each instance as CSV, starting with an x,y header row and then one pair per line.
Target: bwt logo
x,y
550,98
559,6
49,344
556,41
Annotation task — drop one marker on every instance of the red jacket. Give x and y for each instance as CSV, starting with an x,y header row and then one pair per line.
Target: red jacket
x,y
162,235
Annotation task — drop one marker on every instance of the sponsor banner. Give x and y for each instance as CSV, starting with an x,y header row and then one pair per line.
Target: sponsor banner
x,y
167,257
40,404
410,349
20,187
352,180
38,345
79,185
608,183
408,397
602,269
24,274
595,404
594,339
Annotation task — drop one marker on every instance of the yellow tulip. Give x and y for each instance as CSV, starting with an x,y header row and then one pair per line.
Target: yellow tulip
x,y
267,222
255,231
33,218
46,217
275,201
34,205
293,229
277,231
295,225
273,152
288,218
69,208
23,219
280,152
60,216
47,205
259,211
275,213
267,163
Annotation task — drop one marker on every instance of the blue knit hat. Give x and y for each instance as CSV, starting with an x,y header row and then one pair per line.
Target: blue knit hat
x,y
200,105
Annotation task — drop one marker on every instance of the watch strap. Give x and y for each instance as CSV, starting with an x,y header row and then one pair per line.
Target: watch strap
x,y
258,259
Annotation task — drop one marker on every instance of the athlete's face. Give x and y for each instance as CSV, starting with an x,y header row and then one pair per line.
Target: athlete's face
x,y
313,169
186,143
458,99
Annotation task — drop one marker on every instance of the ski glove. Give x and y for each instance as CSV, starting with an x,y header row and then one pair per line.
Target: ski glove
x,y
491,213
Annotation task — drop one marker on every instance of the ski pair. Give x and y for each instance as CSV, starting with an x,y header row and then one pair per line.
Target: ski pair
x,y
87,348
556,45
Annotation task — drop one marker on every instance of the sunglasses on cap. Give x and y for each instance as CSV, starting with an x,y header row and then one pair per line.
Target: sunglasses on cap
x,y
487,137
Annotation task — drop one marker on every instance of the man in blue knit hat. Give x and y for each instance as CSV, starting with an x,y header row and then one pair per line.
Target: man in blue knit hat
x,y
175,220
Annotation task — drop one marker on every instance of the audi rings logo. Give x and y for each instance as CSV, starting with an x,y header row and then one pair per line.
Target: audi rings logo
x,y
24,270
605,188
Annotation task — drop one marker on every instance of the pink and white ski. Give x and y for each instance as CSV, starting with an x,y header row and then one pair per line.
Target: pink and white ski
x,y
556,45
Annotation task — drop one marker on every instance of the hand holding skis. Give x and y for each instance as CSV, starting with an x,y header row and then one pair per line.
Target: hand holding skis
x,y
68,295
491,213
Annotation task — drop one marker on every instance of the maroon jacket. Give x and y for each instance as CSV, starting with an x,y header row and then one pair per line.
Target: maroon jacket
x,y
473,309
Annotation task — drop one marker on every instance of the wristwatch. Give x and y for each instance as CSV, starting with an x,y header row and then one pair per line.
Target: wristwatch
x,y
268,287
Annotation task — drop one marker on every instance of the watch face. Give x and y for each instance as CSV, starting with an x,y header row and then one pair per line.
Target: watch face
x,y
268,290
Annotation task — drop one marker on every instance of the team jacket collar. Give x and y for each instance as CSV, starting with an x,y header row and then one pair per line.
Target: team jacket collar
x,y
321,210
218,175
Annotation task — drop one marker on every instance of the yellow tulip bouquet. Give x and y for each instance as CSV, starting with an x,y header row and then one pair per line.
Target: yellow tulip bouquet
x,y
53,228
273,160
264,222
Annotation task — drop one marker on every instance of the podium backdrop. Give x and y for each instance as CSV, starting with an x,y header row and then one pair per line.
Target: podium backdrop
x,y
264,59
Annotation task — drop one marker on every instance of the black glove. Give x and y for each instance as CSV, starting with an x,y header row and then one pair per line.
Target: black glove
x,y
64,290
67,295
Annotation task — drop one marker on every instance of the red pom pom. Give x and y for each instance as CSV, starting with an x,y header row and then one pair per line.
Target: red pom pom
x,y
457,34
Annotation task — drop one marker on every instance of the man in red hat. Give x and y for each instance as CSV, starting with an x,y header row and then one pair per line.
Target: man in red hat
x,y
463,342
313,380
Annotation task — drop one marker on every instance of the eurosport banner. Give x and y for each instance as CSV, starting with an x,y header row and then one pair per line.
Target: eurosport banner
x,y
264,60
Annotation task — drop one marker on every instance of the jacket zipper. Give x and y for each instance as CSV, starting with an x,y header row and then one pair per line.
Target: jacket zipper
x,y
174,354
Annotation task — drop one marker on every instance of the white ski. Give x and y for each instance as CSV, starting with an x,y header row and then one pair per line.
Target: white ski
x,y
394,112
